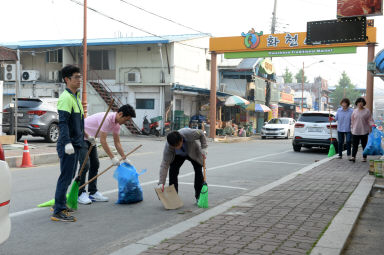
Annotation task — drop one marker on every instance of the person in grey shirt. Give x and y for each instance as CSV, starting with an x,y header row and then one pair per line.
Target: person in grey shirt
x,y
343,118
182,145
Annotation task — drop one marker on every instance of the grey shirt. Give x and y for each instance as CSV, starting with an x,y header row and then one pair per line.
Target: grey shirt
x,y
190,137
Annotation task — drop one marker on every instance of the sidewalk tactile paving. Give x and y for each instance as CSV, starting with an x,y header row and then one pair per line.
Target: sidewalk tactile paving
x,y
287,219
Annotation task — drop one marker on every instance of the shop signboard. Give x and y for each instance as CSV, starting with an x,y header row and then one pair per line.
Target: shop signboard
x,y
352,8
287,53
286,98
267,65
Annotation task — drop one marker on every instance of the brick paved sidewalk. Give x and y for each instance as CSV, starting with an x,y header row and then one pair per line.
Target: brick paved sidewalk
x,y
288,219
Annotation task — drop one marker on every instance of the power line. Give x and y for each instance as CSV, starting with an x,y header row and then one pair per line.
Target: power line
x,y
161,17
134,27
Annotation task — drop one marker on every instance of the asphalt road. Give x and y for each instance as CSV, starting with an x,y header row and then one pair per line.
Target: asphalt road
x,y
233,169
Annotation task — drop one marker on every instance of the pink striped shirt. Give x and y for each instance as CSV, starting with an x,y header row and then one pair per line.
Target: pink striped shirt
x,y
91,124
361,121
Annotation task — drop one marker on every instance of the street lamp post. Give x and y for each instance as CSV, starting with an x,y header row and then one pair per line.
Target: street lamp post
x,y
302,89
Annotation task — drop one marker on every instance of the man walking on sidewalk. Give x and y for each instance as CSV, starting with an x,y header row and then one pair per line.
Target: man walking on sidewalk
x,y
71,136
111,125
343,118
182,145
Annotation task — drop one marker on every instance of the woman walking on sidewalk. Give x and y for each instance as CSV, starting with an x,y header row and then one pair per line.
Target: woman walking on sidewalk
x,y
361,126
343,117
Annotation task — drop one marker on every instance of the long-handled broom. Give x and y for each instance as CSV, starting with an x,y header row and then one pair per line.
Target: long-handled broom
x,y
203,199
74,191
332,150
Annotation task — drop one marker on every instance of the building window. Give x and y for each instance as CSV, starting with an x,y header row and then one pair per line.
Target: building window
x,y
102,59
54,56
208,62
145,104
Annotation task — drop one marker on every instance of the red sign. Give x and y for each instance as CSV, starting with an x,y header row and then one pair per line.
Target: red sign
x,y
351,8
286,98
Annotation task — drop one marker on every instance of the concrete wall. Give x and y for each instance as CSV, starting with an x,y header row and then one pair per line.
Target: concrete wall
x,y
38,62
191,63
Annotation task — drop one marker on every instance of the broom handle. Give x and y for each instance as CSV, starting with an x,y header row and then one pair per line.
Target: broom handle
x,y
205,169
94,178
97,132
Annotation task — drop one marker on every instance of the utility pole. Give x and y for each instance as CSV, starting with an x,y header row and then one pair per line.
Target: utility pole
x,y
302,90
17,86
85,53
273,26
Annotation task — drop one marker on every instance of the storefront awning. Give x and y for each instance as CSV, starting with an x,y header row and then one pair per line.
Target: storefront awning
x,y
258,108
236,100
200,91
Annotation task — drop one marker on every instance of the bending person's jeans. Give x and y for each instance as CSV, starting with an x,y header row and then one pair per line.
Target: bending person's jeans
x,y
348,140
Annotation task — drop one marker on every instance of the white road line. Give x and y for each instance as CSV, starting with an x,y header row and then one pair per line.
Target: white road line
x,y
280,162
214,185
15,214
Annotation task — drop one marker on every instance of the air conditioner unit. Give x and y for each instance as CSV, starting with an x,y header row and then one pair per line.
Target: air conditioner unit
x,y
132,77
53,75
222,87
30,75
10,72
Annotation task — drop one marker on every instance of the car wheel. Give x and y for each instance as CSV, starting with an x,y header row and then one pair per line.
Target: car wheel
x,y
288,134
297,148
263,137
53,133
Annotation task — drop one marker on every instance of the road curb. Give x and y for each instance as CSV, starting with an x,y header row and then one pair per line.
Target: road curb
x,y
336,236
41,159
155,239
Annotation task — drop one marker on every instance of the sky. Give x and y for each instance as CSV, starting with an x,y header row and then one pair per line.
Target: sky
x,y
63,19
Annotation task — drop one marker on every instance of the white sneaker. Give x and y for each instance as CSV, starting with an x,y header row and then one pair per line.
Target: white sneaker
x,y
98,197
84,199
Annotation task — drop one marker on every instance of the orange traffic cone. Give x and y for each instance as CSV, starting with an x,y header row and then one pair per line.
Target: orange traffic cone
x,y
26,157
2,156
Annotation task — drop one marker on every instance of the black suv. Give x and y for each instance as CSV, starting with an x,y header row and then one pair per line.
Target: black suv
x,y
36,117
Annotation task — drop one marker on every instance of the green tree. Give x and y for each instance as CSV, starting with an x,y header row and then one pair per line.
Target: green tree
x,y
345,89
287,76
299,77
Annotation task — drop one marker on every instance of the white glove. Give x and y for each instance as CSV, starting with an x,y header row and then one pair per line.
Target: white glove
x,y
92,140
115,161
69,149
204,152
129,162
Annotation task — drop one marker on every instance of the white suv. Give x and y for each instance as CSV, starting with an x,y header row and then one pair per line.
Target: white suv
x,y
313,129
5,197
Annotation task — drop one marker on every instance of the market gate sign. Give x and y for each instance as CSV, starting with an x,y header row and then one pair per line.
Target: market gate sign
x,y
285,44
287,53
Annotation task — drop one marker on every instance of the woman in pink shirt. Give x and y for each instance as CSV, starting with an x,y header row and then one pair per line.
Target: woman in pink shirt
x,y
361,126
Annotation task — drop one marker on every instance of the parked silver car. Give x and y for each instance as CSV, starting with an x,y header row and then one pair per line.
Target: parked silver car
x,y
36,117
5,199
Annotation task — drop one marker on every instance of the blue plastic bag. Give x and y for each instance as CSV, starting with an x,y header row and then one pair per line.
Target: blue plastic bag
x,y
130,190
374,143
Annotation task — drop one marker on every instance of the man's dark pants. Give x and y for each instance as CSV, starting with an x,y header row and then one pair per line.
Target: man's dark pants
x,y
92,167
174,172
68,166
348,140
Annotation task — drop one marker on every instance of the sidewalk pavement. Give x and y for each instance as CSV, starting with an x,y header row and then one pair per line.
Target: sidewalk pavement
x,y
294,217
368,235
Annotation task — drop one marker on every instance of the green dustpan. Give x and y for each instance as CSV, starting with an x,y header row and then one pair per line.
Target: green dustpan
x,y
71,198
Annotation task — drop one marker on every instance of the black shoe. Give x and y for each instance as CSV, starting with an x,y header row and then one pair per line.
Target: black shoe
x,y
340,157
352,159
63,216
67,209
